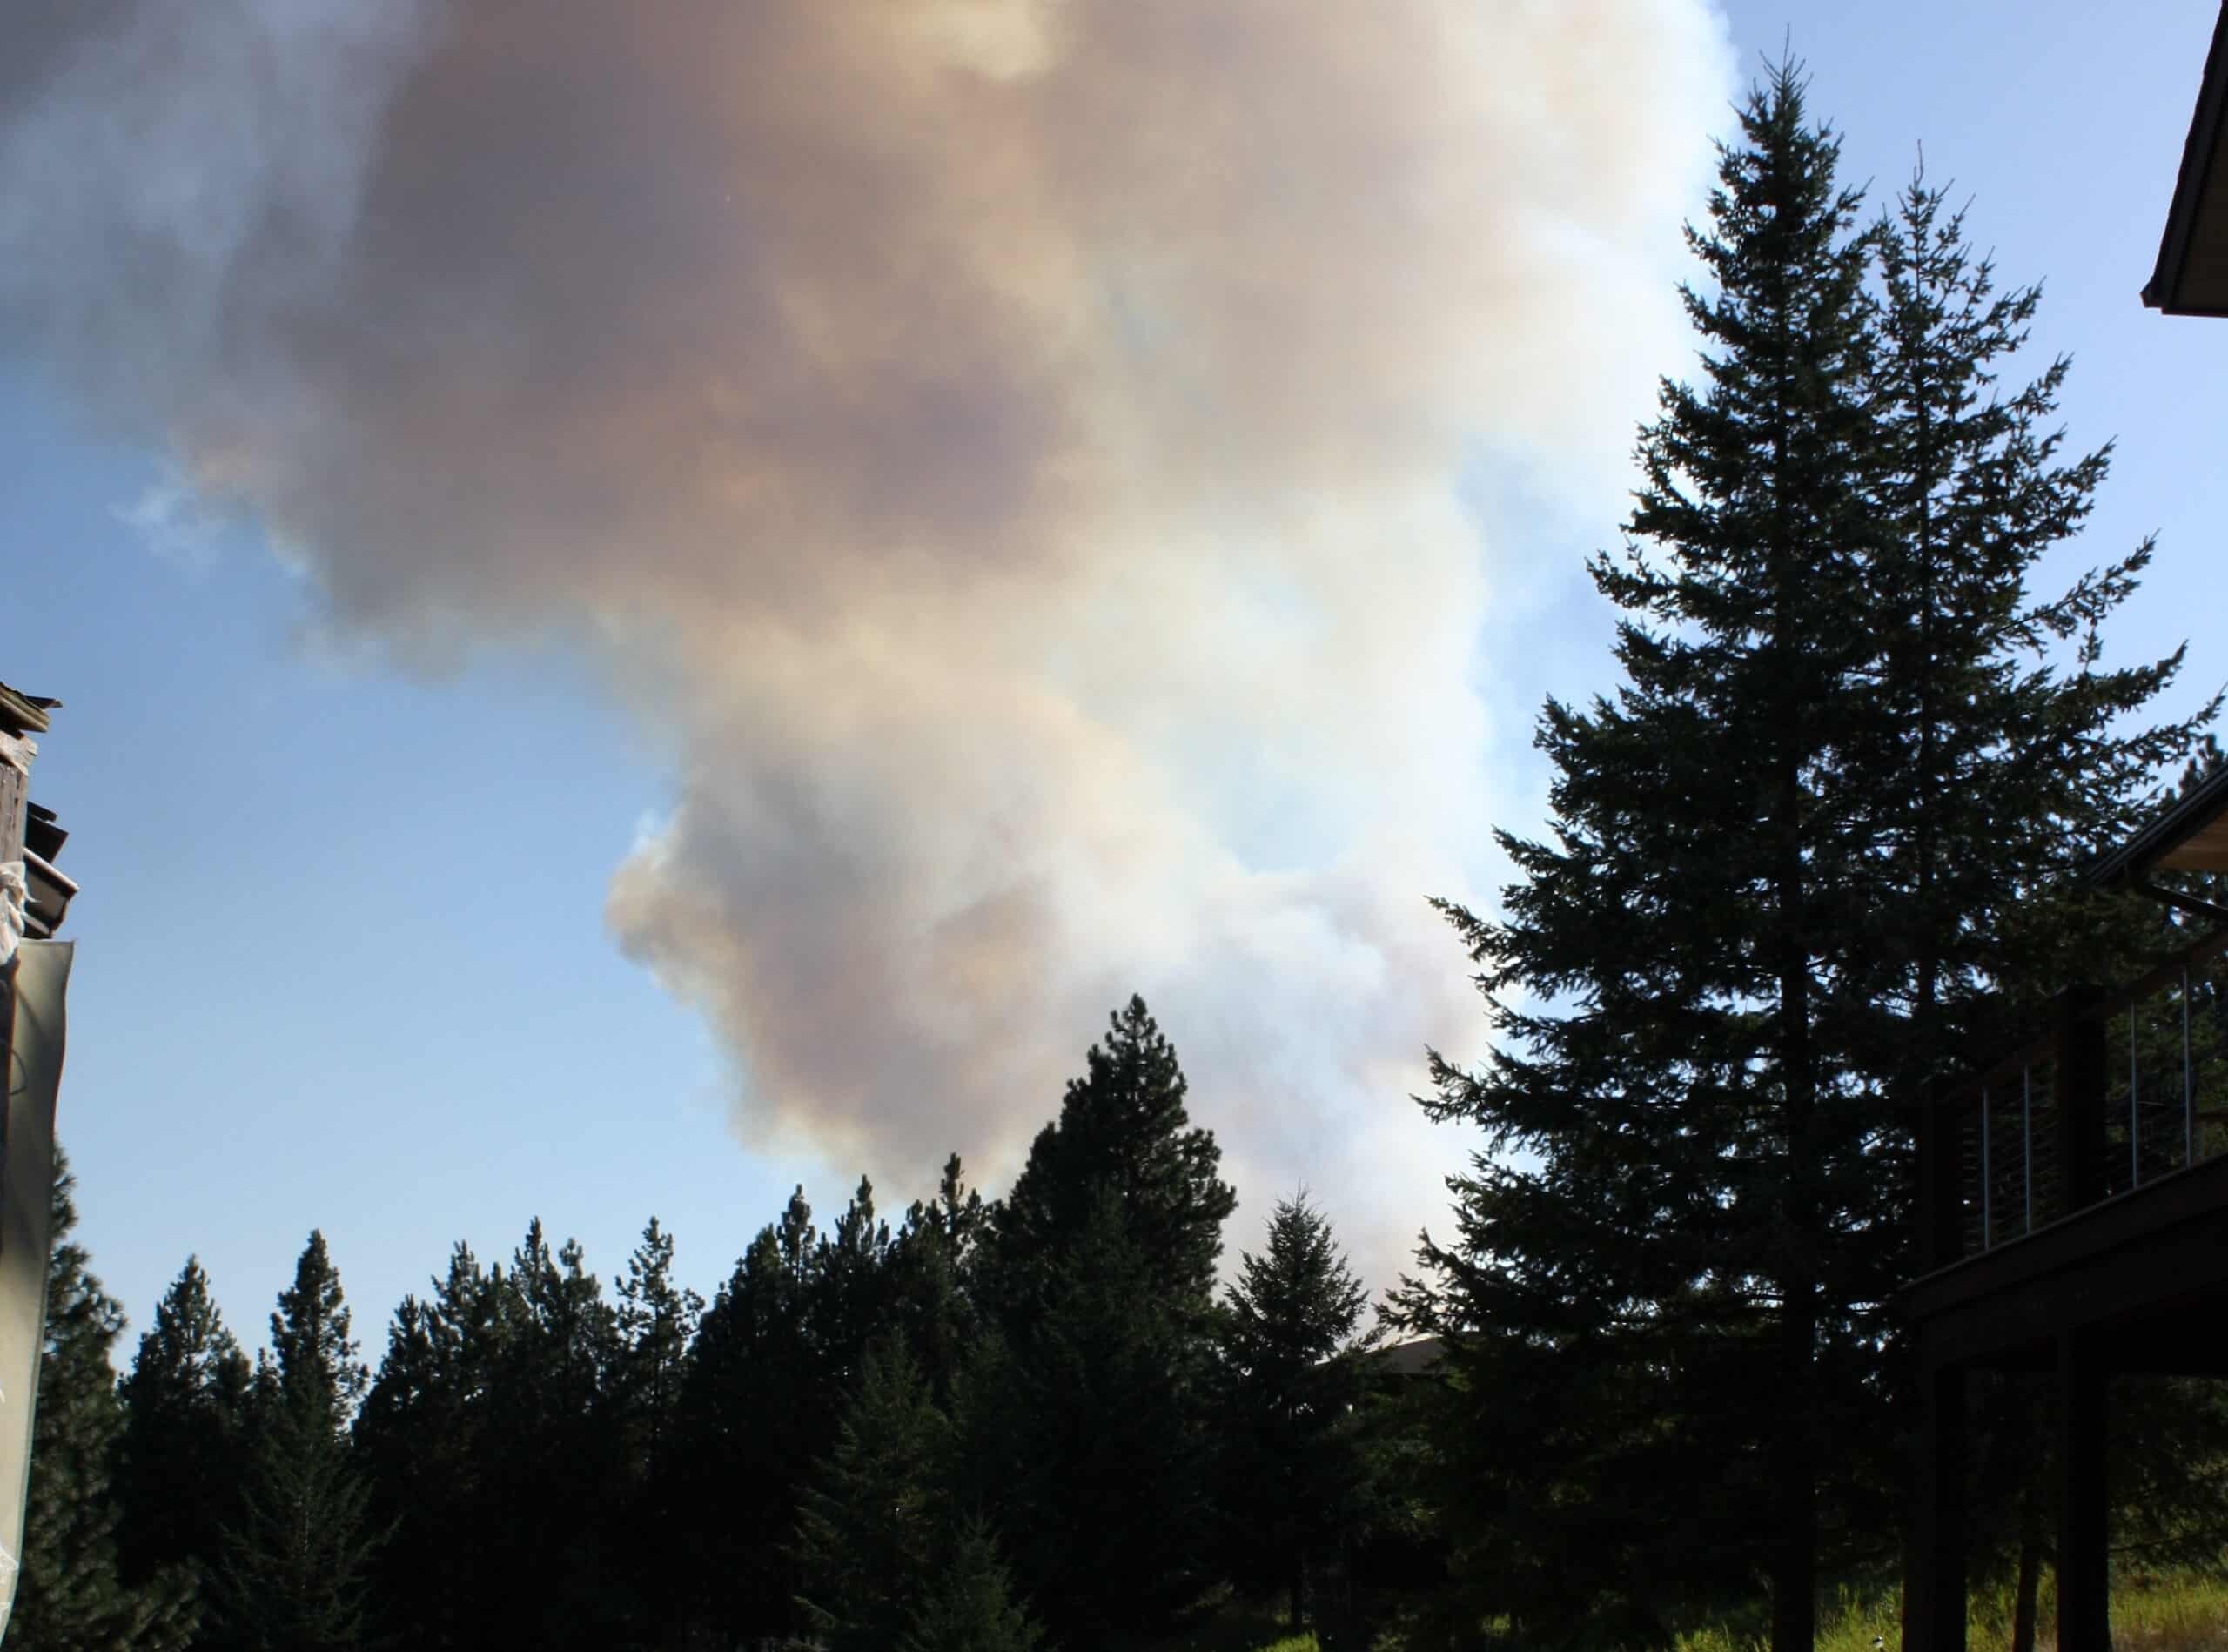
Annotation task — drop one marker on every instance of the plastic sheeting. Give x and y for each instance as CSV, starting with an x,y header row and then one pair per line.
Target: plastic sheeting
x,y
26,1187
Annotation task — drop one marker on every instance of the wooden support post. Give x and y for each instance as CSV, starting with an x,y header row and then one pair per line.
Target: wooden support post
x,y
1934,1566
1941,1236
2079,1041
2084,1574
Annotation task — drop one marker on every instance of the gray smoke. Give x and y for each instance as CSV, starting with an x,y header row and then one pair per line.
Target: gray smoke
x,y
1008,446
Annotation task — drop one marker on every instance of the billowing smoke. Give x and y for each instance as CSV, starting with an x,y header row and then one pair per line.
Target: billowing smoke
x,y
1008,446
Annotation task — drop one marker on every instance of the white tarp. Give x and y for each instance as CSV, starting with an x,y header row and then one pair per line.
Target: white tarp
x,y
26,1178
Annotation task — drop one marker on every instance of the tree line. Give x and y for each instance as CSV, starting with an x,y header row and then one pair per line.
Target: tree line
x,y
1008,1424
1811,857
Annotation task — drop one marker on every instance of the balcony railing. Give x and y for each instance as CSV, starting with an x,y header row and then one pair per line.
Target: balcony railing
x,y
2125,1088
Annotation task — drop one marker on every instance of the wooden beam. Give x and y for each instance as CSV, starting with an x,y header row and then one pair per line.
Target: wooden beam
x,y
2084,1558
1933,1565
2079,1038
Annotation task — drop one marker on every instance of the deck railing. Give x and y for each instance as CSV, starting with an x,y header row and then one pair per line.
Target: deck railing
x,y
2124,1087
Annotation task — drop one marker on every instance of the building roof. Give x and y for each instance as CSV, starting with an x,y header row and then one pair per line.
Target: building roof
x,y
2191,836
2191,277
1407,1358
24,713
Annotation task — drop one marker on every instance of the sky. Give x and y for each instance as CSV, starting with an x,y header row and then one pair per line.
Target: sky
x,y
657,604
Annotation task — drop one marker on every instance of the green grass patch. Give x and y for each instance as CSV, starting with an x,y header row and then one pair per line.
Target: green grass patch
x,y
2151,1612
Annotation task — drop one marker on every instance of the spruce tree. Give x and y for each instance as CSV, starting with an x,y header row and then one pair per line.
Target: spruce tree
x,y
870,1524
757,1354
1090,1444
298,1561
970,1605
69,1593
1786,845
1122,1128
657,1319
1294,1467
184,1415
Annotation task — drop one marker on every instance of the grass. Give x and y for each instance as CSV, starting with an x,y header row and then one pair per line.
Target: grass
x,y
2159,1612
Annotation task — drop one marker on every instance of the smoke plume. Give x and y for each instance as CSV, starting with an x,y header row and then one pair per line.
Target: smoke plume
x,y
1009,447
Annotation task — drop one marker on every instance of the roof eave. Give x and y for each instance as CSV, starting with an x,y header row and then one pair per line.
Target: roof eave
x,y
2199,152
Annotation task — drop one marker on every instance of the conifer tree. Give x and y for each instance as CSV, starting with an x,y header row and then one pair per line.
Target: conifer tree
x,y
1293,1465
1123,1128
870,1520
296,1562
184,1417
970,1607
1090,1444
657,1319
1665,1300
757,1354
70,1594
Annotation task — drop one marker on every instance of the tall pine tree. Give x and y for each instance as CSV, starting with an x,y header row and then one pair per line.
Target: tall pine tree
x,y
1783,853
874,1514
70,1594
185,1420
1292,1466
1122,1129
296,1562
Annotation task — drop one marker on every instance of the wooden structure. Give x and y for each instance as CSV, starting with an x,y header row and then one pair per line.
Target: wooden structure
x,y
2191,277
2073,1211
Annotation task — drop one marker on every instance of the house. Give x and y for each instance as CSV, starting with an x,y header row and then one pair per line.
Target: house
x,y
2073,1212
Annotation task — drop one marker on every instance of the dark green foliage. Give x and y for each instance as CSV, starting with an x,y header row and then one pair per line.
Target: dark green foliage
x,y
1122,1128
70,1594
657,1319
1787,857
758,1356
297,1562
867,1531
1099,1274
1293,1469
970,1607
184,1426
1095,1426
491,1449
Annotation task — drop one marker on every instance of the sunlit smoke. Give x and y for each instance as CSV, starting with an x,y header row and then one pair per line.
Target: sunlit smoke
x,y
1009,446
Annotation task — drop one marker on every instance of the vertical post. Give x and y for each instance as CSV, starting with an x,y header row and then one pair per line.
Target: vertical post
x,y
2134,1111
2079,1035
1987,1179
1933,1567
2084,1576
2027,1143
1939,1240
2189,1081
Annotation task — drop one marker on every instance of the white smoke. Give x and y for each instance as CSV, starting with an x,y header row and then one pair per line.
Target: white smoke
x,y
1009,446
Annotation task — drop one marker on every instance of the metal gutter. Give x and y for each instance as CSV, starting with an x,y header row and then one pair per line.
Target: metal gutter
x,y
2133,861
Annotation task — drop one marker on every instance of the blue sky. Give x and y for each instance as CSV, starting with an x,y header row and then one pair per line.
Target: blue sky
x,y
344,956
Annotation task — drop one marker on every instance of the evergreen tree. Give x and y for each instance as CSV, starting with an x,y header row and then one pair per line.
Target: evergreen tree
x,y
656,1320
298,1561
757,1355
1294,1468
70,1594
970,1606
866,1531
1122,1128
184,1416
929,1273
1767,873
1090,1444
